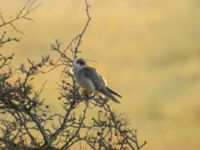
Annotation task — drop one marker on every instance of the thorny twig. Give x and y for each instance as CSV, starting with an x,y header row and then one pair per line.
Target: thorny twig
x,y
73,45
23,14
31,126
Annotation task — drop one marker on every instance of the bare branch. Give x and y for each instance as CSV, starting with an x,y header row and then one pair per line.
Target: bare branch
x,y
29,122
79,36
23,14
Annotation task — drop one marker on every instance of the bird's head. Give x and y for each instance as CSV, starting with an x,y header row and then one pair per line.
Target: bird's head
x,y
79,63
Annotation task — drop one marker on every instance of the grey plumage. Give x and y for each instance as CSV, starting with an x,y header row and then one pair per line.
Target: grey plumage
x,y
88,78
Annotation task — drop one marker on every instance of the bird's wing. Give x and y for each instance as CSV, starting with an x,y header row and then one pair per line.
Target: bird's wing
x,y
98,81
93,76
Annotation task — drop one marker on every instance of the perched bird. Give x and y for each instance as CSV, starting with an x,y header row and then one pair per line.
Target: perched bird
x,y
89,79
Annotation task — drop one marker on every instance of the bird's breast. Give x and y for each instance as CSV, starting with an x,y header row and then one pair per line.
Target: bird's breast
x,y
84,82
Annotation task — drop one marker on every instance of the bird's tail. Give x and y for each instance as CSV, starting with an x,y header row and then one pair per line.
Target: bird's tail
x,y
113,92
113,98
108,92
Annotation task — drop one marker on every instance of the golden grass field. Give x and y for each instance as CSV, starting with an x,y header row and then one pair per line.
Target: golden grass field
x,y
148,50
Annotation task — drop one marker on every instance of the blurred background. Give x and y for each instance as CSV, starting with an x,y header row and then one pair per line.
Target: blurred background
x,y
148,50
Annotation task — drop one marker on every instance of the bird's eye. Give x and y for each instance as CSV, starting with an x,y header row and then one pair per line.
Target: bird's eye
x,y
80,63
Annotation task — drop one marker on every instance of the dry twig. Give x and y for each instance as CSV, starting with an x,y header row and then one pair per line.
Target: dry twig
x,y
29,117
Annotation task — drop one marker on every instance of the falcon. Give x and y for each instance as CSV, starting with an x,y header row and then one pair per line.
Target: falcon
x,y
90,80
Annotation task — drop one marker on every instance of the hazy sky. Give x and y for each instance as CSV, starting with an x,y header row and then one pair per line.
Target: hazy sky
x,y
148,50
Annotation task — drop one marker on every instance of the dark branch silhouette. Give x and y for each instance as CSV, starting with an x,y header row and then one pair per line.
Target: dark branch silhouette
x,y
23,14
28,125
